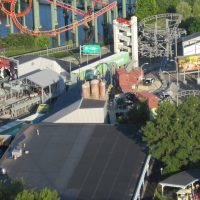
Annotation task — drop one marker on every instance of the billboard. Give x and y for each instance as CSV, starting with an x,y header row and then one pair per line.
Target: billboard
x,y
91,49
120,60
189,63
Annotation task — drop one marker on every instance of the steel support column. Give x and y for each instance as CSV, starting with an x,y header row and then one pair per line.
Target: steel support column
x,y
116,12
124,8
74,19
54,21
36,15
11,26
96,31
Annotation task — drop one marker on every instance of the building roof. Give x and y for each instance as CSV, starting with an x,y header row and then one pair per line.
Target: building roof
x,y
66,103
92,103
182,179
191,37
44,78
146,94
80,161
64,64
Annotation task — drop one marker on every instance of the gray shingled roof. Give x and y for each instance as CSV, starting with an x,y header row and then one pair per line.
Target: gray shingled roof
x,y
64,64
44,78
182,179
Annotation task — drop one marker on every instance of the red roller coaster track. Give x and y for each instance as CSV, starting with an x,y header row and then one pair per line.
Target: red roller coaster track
x,y
86,16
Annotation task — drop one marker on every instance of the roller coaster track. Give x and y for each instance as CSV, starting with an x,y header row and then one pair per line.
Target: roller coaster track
x,y
21,14
86,16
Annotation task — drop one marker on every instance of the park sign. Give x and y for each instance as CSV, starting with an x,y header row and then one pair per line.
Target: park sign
x,y
91,49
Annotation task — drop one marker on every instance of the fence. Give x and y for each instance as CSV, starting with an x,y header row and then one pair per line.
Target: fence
x,y
51,50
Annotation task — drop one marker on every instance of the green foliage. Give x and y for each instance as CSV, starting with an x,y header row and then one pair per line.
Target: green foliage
x,y
190,2
25,195
185,9
194,26
17,40
16,190
167,6
196,8
45,194
140,114
8,191
173,137
42,41
145,8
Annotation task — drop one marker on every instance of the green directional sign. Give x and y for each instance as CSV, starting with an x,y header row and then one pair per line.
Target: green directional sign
x,y
91,49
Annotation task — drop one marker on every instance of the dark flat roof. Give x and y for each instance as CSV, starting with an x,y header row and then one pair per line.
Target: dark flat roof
x,y
80,161
191,37
92,103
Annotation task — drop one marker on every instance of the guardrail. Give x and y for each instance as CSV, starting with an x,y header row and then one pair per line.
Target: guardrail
x,y
136,195
189,93
50,51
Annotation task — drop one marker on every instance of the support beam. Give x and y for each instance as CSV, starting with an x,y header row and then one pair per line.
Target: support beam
x,y
36,15
54,20
124,8
115,12
11,26
96,31
74,19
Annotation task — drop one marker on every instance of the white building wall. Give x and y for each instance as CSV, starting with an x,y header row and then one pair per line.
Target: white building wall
x,y
126,38
40,64
89,115
192,49
134,38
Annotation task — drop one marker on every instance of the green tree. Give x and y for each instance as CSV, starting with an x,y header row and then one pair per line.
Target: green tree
x,y
167,6
184,8
8,191
25,195
196,8
42,41
194,26
145,8
190,2
45,194
173,137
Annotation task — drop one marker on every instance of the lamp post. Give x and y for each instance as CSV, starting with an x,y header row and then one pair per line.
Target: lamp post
x,y
142,68
176,72
47,49
168,75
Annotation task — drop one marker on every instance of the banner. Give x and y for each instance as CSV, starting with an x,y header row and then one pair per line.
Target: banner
x,y
189,63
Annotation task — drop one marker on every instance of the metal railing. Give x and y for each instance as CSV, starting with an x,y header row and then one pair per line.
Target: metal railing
x,y
189,93
50,51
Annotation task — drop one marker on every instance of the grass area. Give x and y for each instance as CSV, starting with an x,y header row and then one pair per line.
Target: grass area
x,y
63,54
161,23
19,51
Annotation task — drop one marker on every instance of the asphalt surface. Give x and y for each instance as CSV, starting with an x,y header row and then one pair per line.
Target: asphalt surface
x,y
81,162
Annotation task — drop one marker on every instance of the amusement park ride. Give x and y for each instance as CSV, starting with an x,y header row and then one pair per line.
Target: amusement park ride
x,y
86,16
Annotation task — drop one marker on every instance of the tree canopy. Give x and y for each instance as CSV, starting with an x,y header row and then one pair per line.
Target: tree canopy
x,y
45,194
17,190
185,9
145,8
167,6
196,8
173,137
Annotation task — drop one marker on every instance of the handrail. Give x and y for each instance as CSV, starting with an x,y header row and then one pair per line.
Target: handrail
x,y
142,177
50,51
